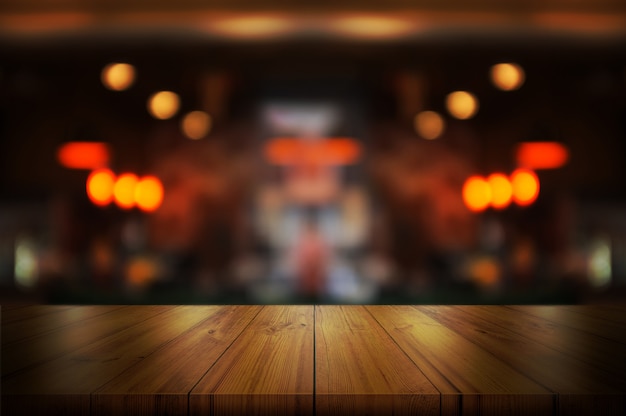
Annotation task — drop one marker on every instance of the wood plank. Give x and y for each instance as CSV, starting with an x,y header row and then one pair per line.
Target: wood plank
x,y
471,379
268,370
54,318
29,311
617,315
593,325
597,352
24,354
359,369
84,370
160,383
526,353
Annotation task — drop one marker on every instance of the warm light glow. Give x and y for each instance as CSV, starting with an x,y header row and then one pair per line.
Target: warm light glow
x,y
124,190
501,190
476,193
118,77
100,187
525,186
254,26
542,155
83,155
149,193
336,151
462,105
163,105
429,124
507,76
26,266
196,125
599,266
371,27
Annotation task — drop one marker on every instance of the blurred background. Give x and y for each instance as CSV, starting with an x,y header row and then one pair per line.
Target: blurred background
x,y
312,152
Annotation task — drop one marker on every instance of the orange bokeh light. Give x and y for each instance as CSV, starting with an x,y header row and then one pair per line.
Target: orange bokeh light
x,y
501,190
525,186
288,151
124,190
83,155
149,193
542,155
476,193
100,187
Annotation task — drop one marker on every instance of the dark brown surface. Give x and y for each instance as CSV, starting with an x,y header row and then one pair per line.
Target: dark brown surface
x,y
314,360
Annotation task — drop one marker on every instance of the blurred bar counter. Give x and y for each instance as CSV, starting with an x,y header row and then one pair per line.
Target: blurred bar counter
x,y
305,359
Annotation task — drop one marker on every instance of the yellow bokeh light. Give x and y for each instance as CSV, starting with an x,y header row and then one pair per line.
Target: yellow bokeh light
x,y
476,193
507,76
149,193
525,186
371,27
253,26
163,105
100,186
124,190
196,125
118,76
462,105
429,124
501,190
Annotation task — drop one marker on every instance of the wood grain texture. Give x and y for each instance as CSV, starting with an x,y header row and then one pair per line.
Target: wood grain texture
x,y
361,370
590,324
160,383
83,370
50,345
527,354
51,318
267,370
595,358
460,369
13,313
448,360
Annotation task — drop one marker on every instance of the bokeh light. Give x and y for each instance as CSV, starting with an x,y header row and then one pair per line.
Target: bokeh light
x,y
599,265
141,271
118,76
525,186
429,124
149,193
371,26
507,76
124,190
26,264
163,105
83,155
501,190
462,105
196,125
542,155
257,26
100,185
476,193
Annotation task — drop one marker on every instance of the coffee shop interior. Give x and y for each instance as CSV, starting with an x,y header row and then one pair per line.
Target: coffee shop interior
x,y
347,152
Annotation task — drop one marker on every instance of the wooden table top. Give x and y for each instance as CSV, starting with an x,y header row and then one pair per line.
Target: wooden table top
x,y
431,360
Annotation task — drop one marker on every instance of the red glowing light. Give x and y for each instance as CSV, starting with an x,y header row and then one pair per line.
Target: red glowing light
x,y
290,151
542,155
83,155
